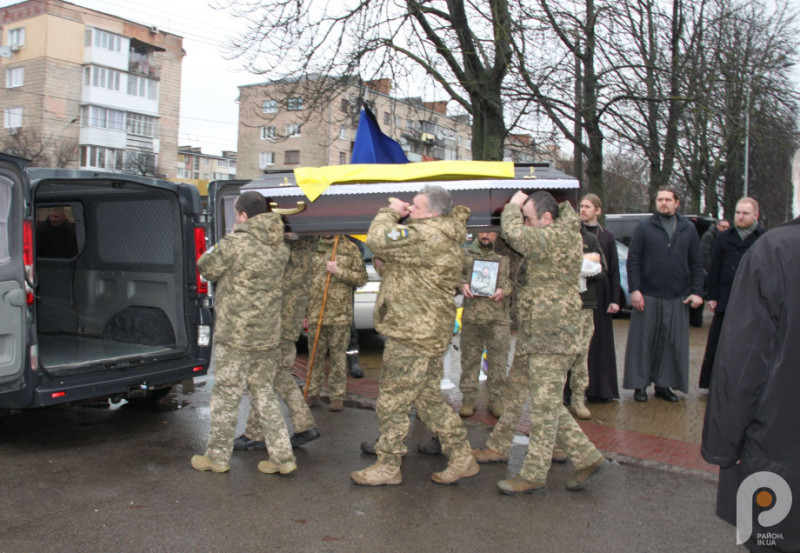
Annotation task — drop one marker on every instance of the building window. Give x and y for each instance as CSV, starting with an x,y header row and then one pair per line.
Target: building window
x,y
232,165
206,161
268,133
345,106
294,104
141,125
101,158
93,116
196,163
101,77
292,130
104,40
342,158
386,118
143,87
343,133
266,159
222,163
291,157
15,77
269,106
16,37
13,117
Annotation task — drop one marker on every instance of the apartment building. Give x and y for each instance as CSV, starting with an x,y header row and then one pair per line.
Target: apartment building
x,y
87,89
194,164
279,131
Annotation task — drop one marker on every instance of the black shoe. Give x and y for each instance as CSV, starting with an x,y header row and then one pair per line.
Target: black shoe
x,y
369,447
353,367
300,438
431,447
640,394
243,443
666,394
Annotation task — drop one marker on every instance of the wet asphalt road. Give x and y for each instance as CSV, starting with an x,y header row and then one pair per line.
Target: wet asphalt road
x,y
86,479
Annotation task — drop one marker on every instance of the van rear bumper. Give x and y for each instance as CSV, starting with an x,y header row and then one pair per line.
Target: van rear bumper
x,y
104,383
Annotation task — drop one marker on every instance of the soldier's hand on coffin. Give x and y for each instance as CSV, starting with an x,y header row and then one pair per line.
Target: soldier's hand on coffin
x,y
331,267
518,198
466,290
400,206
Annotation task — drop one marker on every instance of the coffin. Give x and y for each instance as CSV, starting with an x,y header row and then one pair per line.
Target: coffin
x,y
350,208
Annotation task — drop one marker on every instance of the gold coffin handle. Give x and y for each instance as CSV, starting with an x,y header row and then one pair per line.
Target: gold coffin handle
x,y
301,206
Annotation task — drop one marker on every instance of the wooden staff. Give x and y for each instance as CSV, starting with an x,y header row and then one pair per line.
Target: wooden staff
x,y
319,320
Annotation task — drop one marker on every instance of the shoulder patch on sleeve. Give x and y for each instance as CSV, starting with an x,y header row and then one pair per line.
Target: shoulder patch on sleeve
x,y
396,234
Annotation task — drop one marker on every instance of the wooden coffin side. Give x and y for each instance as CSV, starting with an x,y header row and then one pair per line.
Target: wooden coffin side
x,y
349,209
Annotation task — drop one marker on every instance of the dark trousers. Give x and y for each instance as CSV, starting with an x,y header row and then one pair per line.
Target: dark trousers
x,y
711,349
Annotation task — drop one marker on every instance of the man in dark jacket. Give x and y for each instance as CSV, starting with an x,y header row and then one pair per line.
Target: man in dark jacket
x,y
708,240
729,248
665,276
753,413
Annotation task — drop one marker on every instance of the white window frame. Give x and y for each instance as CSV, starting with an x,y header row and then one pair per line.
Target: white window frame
x,y
13,117
104,118
266,159
293,130
142,87
343,132
16,37
269,106
92,156
294,104
268,132
15,77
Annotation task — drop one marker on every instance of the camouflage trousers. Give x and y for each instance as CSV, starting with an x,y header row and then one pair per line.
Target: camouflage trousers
x,y
288,390
496,339
411,377
541,377
333,340
579,370
237,369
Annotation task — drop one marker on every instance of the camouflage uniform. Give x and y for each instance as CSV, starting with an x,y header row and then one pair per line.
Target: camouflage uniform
x,y
415,310
485,324
548,341
295,287
334,335
247,266
579,370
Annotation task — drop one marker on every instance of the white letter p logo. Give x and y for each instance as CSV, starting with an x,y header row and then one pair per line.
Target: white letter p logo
x,y
775,496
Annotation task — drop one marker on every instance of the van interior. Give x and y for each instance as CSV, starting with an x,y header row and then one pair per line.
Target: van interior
x,y
109,275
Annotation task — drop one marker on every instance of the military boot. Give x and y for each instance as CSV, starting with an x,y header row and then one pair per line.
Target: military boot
x,y
378,475
582,476
518,485
271,467
203,463
488,455
457,469
579,408
467,408
353,366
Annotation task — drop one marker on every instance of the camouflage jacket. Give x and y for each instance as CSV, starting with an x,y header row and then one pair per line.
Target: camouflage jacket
x,y
247,267
548,288
351,274
423,260
480,309
296,286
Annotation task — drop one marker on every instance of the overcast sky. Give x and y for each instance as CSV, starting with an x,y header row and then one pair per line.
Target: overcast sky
x,y
209,112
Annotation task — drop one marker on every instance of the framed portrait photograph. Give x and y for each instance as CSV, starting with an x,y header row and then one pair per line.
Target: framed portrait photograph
x,y
484,277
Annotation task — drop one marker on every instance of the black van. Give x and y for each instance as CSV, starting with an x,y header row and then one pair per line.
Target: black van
x,y
99,291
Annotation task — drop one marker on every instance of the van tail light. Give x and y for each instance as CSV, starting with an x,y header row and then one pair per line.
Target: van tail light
x,y
199,248
27,259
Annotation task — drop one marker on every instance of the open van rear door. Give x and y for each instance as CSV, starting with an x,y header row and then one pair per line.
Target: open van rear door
x,y
222,195
14,231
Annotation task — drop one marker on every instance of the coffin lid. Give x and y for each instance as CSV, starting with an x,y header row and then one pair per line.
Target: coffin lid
x,y
537,175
